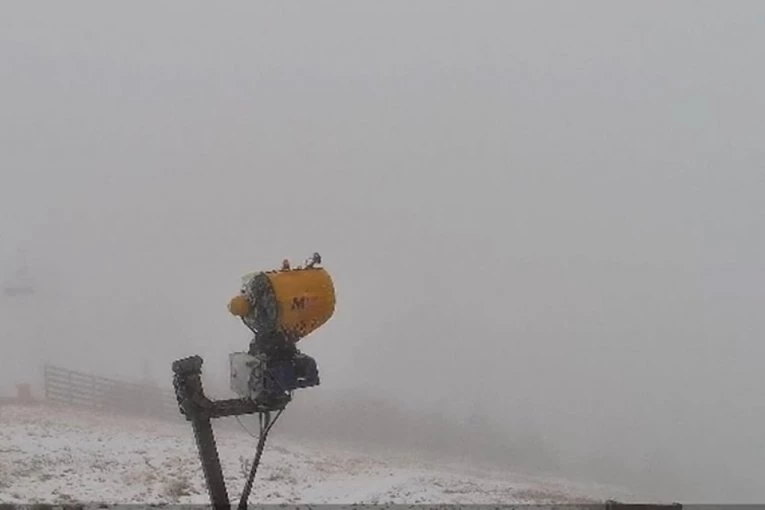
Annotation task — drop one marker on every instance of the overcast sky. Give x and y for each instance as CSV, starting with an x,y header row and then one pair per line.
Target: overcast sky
x,y
554,210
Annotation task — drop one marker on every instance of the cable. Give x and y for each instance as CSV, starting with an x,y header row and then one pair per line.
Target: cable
x,y
266,425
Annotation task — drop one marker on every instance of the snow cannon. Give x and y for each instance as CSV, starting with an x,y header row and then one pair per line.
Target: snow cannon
x,y
280,307
294,302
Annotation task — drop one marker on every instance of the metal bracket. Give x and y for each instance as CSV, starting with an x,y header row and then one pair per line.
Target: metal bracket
x,y
199,410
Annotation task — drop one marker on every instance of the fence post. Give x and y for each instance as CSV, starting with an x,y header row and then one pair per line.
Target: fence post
x,y
45,382
93,400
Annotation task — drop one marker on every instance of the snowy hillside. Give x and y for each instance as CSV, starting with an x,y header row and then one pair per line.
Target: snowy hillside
x,y
60,455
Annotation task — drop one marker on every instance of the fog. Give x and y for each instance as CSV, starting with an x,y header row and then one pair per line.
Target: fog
x,y
545,216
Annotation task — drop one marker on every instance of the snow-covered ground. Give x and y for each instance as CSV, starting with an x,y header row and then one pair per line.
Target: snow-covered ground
x,y
63,455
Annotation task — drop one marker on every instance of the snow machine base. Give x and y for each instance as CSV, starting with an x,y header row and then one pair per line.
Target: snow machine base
x,y
269,381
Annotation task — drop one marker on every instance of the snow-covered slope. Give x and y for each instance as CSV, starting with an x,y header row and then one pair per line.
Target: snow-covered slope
x,y
60,455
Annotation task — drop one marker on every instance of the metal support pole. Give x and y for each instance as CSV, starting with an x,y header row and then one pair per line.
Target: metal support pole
x,y
208,456
193,404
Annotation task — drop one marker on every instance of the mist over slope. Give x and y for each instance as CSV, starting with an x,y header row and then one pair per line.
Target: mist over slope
x,y
545,217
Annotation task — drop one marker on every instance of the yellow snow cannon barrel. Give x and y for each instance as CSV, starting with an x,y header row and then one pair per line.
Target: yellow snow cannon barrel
x,y
239,306
296,301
